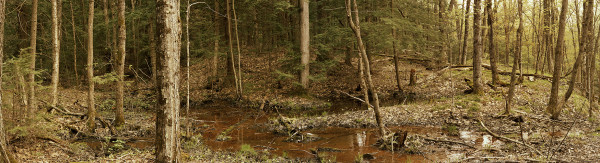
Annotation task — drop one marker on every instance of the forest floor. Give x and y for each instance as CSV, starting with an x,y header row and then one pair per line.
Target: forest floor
x,y
443,123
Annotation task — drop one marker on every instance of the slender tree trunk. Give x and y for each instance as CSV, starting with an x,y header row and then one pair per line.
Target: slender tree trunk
x,y
396,59
463,56
90,68
355,25
120,118
169,48
586,37
33,46
554,106
507,31
442,59
304,43
109,46
477,48
215,66
492,50
517,55
231,63
74,44
547,34
153,52
237,40
55,51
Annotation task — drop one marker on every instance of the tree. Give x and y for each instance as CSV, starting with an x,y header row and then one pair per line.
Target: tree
x,y
33,45
4,154
355,26
231,60
90,68
477,48
554,106
587,36
304,43
120,118
547,34
215,58
492,47
168,27
55,51
237,40
463,54
517,57
74,42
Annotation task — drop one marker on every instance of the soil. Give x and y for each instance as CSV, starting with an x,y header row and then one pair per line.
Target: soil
x,y
333,127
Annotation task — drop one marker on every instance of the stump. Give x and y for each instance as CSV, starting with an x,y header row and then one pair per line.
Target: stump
x,y
413,77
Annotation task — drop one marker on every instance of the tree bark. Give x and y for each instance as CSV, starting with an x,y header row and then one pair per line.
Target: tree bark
x,y
547,34
477,48
554,106
304,43
55,51
396,60
517,56
169,47
355,25
90,68
33,46
463,56
5,156
120,118
492,47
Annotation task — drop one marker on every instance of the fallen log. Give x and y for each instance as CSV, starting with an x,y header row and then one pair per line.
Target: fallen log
x,y
488,67
508,139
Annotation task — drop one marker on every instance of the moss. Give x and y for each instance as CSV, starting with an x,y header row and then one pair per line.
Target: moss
x,y
451,129
247,149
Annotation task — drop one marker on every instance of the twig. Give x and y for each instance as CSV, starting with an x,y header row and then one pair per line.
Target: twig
x,y
509,139
354,97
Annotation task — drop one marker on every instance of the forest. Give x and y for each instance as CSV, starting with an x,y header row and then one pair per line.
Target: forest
x,y
299,81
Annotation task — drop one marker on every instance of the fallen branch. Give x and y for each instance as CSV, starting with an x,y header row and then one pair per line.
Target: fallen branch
x,y
488,67
354,97
509,139
448,141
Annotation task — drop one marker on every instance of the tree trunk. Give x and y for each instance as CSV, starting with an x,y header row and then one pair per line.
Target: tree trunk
x,y
517,57
120,118
554,106
33,46
215,68
74,43
90,68
237,40
109,46
547,34
477,48
355,25
169,47
442,59
463,55
55,51
587,35
396,59
492,48
231,61
304,43
5,156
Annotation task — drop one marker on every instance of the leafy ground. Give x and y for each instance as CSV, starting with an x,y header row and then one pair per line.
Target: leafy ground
x,y
437,100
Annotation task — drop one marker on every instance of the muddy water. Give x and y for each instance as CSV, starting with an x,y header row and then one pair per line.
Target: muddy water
x,y
347,144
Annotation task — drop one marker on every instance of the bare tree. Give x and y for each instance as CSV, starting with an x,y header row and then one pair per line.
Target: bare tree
x,y
355,25
304,43
587,36
554,106
33,46
477,48
55,51
231,60
492,46
90,68
517,56
169,47
463,54
120,118
217,39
